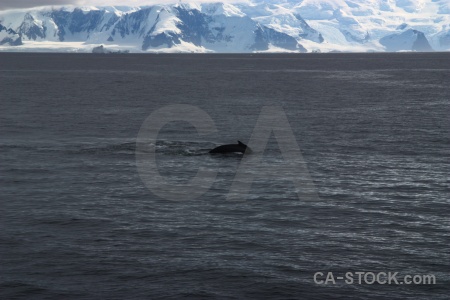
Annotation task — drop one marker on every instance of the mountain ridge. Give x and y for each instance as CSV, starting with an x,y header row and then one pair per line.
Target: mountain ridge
x,y
275,26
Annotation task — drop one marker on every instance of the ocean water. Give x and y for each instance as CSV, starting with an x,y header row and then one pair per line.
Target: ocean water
x,y
78,222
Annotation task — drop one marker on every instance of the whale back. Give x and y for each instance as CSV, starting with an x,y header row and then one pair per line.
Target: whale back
x,y
230,148
247,149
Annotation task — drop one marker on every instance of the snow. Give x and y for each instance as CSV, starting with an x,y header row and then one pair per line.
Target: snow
x,y
404,41
378,18
274,49
120,10
237,29
226,9
166,21
48,47
346,25
319,9
12,19
183,47
3,35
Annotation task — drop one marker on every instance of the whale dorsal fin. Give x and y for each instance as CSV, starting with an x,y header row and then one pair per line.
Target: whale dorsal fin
x,y
241,143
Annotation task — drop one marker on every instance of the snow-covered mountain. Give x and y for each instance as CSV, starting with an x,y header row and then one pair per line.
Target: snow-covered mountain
x,y
9,37
410,39
278,25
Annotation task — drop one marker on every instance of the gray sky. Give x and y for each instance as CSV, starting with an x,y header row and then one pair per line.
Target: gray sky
x,y
17,4
9,4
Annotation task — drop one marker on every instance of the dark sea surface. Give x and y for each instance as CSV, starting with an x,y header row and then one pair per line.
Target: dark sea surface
x,y
77,221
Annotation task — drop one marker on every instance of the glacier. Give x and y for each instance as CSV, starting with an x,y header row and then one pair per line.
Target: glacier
x,y
240,27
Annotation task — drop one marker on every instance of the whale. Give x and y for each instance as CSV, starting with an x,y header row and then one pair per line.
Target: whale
x,y
230,148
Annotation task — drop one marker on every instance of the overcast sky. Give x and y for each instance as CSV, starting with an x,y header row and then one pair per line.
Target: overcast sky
x,y
14,4
8,4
